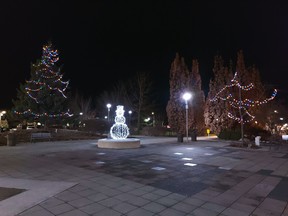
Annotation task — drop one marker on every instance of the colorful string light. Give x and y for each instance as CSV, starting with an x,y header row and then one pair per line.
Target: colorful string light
x,y
241,104
48,77
44,114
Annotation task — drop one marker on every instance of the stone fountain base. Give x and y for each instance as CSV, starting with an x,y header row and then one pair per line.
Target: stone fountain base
x,y
119,144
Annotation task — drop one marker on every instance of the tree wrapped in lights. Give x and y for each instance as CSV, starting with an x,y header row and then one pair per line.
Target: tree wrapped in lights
x,y
233,94
43,98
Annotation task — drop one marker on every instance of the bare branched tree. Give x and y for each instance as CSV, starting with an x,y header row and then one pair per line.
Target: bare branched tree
x,y
79,104
139,90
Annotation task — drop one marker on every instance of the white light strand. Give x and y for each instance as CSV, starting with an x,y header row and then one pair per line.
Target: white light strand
x,y
119,130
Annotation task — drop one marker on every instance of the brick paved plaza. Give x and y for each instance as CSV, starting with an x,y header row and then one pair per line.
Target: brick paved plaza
x,y
162,177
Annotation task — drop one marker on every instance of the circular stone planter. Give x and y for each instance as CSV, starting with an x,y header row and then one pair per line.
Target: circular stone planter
x,y
119,143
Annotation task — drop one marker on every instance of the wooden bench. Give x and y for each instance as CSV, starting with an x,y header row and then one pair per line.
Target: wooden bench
x,y
41,136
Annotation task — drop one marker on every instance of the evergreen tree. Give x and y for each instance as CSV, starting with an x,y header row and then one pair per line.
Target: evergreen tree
x,y
198,100
43,98
215,114
179,83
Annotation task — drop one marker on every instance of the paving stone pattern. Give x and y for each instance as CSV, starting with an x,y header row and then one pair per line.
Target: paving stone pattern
x,y
137,165
164,178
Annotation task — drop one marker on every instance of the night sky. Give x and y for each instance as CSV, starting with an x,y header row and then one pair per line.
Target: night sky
x,y
112,40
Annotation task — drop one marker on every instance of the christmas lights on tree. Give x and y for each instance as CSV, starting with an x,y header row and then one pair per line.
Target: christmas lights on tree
x,y
241,104
47,76
44,95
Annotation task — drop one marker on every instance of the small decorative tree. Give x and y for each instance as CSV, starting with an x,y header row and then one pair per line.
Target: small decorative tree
x,y
234,95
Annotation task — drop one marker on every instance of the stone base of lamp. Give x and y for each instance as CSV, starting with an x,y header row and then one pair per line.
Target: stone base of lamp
x,y
119,143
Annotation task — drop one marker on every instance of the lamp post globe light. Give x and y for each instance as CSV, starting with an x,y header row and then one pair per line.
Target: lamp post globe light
x,y
187,96
130,113
108,107
1,114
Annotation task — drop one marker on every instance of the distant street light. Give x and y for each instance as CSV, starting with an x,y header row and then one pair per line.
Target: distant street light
x,y
80,119
108,106
130,113
187,96
1,114
153,115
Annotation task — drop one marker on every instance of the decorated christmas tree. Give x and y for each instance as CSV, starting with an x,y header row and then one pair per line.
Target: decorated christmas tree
x,y
234,94
43,98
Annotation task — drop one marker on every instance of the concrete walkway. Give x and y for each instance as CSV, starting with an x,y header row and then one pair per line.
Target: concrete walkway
x,y
162,177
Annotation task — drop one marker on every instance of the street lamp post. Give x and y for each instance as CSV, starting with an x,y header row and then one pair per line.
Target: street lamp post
x,y
187,96
80,119
130,113
108,107
1,114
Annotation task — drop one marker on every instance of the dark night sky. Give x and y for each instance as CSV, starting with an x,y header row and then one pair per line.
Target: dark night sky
x,y
112,40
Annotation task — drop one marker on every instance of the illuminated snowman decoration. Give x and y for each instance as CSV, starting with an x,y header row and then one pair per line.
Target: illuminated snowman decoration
x,y
119,130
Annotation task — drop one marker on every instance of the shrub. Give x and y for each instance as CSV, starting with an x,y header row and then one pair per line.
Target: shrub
x,y
96,125
156,131
251,132
230,134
